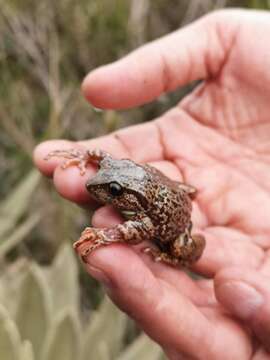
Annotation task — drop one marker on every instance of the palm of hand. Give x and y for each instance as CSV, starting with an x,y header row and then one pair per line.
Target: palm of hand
x,y
216,140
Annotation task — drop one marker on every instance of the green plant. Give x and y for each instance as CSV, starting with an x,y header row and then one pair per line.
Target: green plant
x,y
40,317
13,209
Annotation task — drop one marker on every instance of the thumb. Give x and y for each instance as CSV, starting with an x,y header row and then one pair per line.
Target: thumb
x,y
195,52
246,294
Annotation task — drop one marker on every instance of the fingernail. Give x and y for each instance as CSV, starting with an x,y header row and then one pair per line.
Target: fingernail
x,y
240,298
100,276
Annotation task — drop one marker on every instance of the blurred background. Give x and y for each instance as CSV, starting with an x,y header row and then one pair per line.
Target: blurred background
x,y
49,308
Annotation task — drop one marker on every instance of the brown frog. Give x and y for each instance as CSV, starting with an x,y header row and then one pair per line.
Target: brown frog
x,y
156,208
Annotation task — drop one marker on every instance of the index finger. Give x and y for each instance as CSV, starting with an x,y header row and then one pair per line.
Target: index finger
x,y
195,52
127,143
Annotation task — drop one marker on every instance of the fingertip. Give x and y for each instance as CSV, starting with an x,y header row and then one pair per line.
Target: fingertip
x,y
245,293
70,184
100,88
121,85
240,298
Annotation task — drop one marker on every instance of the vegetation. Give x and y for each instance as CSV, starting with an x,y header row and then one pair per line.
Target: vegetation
x,y
46,48
40,317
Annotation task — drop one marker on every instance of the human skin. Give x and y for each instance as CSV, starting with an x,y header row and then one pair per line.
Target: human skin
x,y
216,139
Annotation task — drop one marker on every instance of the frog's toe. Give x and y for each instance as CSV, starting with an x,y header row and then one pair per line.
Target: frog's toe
x,y
72,157
157,255
149,250
85,249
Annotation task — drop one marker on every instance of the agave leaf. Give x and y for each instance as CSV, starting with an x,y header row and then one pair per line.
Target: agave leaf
x,y
34,308
10,285
26,352
2,293
62,342
12,208
63,280
142,348
9,337
103,351
19,234
106,329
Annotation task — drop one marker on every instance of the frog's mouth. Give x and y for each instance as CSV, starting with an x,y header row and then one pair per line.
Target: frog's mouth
x,y
128,214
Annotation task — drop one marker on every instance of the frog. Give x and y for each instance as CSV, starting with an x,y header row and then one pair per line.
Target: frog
x,y
155,208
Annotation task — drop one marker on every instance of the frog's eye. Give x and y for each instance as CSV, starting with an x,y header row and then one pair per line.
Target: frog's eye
x,y
115,189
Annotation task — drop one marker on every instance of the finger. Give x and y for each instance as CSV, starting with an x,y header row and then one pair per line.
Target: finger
x,y
136,291
71,184
246,294
227,247
126,143
68,182
152,302
43,149
106,216
160,66
130,142
47,167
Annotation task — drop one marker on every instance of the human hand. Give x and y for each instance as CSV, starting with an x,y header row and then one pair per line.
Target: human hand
x,y
216,139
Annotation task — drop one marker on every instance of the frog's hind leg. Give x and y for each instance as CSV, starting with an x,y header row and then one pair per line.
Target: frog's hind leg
x,y
184,250
78,157
188,248
190,190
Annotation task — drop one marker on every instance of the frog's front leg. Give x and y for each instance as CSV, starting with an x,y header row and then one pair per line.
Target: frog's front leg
x,y
132,232
79,158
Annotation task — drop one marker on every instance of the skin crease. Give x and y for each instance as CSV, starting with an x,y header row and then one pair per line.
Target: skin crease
x,y
216,139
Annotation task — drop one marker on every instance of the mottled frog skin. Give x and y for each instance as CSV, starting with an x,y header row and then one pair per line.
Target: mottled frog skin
x,y
155,208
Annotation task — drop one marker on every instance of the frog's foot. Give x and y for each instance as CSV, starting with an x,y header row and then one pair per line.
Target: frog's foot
x,y
199,245
90,240
188,248
79,158
184,251
72,157
87,236
160,256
